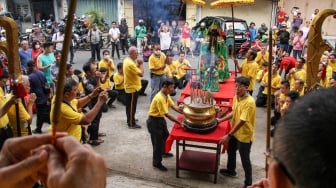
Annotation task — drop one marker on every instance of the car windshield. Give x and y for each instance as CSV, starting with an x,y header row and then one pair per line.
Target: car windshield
x,y
237,25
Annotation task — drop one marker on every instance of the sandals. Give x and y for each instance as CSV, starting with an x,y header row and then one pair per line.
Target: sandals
x,y
101,134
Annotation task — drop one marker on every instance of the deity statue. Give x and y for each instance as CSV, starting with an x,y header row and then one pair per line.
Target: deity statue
x,y
213,64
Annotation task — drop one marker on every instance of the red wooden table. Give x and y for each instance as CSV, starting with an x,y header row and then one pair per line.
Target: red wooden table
x,y
199,161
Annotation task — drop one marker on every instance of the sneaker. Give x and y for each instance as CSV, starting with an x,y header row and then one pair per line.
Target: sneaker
x,y
161,167
228,173
135,126
167,155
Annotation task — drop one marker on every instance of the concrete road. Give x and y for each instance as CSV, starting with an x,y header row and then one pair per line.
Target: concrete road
x,y
128,152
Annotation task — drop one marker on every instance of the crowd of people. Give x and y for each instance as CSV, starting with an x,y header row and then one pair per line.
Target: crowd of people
x,y
91,91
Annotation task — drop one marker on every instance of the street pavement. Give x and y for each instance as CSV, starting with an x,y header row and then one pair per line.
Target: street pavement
x,y
128,152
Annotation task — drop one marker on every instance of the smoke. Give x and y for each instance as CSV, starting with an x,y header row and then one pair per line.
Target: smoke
x,y
154,10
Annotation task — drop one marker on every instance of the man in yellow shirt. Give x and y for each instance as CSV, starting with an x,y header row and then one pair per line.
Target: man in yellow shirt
x,y
297,73
70,119
171,72
107,63
249,68
105,84
118,79
5,103
280,98
156,123
157,64
332,62
182,64
240,137
262,57
275,86
133,71
299,87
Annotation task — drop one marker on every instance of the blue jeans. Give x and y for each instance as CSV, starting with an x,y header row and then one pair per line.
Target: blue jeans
x,y
156,82
284,46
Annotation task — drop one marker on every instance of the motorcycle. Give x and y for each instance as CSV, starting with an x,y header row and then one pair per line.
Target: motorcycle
x,y
256,45
81,42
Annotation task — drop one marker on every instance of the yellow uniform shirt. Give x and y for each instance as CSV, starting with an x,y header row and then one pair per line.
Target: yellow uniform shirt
x,y
118,79
109,65
261,58
244,109
160,104
106,84
300,74
181,68
282,97
24,117
333,65
132,81
69,119
3,100
260,75
169,70
249,70
155,62
80,88
275,82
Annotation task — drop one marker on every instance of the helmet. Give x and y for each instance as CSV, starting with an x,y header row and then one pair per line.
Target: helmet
x,y
123,20
141,21
202,24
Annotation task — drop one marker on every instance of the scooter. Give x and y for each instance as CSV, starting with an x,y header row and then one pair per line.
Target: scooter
x,y
256,45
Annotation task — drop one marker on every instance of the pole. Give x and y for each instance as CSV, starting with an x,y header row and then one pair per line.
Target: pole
x,y
270,60
234,36
62,68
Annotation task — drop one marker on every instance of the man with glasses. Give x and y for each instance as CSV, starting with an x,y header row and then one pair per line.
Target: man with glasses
x,y
300,156
240,138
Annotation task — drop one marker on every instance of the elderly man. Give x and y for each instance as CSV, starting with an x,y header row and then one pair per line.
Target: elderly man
x,y
36,35
25,54
156,66
133,71
70,118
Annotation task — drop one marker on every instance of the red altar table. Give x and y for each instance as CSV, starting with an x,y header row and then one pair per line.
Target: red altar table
x,y
223,98
199,161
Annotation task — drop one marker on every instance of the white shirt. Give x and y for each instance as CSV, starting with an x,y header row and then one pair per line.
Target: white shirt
x,y
114,34
58,37
165,40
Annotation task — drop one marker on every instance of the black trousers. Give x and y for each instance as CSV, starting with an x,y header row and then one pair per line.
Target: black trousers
x,y
124,45
112,96
72,54
262,100
42,115
244,151
157,127
121,96
144,84
115,47
5,133
95,49
131,106
93,128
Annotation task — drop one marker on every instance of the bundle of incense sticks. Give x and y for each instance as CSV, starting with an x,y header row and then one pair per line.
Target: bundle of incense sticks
x,y
199,96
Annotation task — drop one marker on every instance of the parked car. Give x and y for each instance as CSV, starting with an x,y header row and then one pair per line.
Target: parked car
x,y
240,26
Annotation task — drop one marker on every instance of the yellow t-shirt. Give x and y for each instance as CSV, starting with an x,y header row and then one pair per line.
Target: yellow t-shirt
x,y
244,109
24,117
106,84
160,104
80,88
275,82
181,68
300,74
332,65
3,100
118,79
155,62
169,70
260,75
69,119
132,81
261,58
249,70
109,65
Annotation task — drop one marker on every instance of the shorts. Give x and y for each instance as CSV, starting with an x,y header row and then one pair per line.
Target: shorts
x,y
186,42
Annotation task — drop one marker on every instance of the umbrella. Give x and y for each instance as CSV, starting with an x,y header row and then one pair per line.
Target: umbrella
x,y
197,2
